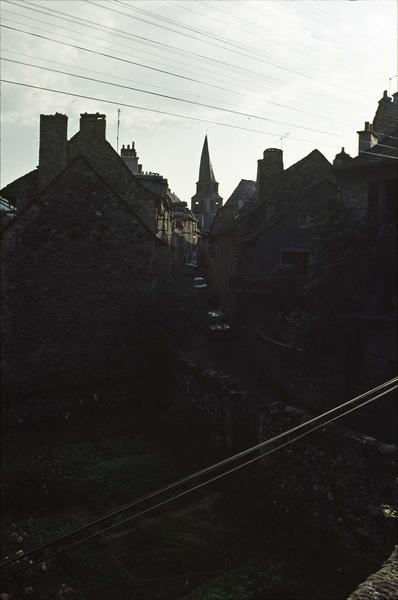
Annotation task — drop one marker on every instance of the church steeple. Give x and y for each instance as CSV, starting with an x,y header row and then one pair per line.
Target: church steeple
x,y
206,201
206,170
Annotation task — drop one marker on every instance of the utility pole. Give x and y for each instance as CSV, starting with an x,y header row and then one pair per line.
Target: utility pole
x,y
118,129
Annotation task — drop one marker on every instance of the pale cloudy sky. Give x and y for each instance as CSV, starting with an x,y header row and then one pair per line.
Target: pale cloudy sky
x,y
308,71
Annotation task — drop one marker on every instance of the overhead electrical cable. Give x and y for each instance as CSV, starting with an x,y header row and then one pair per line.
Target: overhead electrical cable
x,y
259,53
89,23
380,391
211,75
199,57
227,67
62,64
118,58
158,94
161,112
269,63
229,14
111,56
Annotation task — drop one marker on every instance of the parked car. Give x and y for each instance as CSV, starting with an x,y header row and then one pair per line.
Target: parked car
x,y
217,325
199,283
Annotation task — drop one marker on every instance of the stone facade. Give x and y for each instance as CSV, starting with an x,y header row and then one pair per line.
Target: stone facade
x,y
224,241
185,234
269,228
176,223
79,260
381,585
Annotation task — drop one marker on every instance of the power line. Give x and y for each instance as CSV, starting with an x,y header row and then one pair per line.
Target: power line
x,y
158,94
269,63
200,57
240,19
209,469
100,73
206,470
139,39
111,56
89,23
391,385
161,112
116,45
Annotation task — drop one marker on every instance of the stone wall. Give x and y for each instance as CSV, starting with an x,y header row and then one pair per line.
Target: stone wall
x,y
381,585
335,481
76,268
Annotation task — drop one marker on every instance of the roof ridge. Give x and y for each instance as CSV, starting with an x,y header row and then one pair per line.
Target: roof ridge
x,y
81,157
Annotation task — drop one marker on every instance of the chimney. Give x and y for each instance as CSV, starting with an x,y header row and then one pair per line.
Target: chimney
x,y
341,158
367,138
385,97
52,147
268,167
129,156
93,125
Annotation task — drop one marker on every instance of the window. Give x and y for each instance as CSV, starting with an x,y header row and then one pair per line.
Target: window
x,y
303,221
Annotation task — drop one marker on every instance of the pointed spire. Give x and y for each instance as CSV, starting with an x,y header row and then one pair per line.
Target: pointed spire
x,y
206,170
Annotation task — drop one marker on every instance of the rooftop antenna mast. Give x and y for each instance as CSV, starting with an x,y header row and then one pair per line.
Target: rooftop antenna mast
x,y
118,129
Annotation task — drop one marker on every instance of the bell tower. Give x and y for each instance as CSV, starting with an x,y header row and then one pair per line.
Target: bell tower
x,y
206,201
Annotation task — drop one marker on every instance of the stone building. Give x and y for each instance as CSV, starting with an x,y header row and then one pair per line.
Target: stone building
x,y
79,260
176,223
263,231
185,233
154,183
224,240
206,201
285,265
369,191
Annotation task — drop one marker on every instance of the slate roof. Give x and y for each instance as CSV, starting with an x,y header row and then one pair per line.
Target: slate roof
x,y
382,153
321,185
53,183
27,182
287,190
206,173
225,220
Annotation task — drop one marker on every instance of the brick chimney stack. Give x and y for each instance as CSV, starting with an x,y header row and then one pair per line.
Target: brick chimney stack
x,y
367,138
268,167
93,125
52,147
129,155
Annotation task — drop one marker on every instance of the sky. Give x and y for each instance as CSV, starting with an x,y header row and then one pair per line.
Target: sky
x,y
305,74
